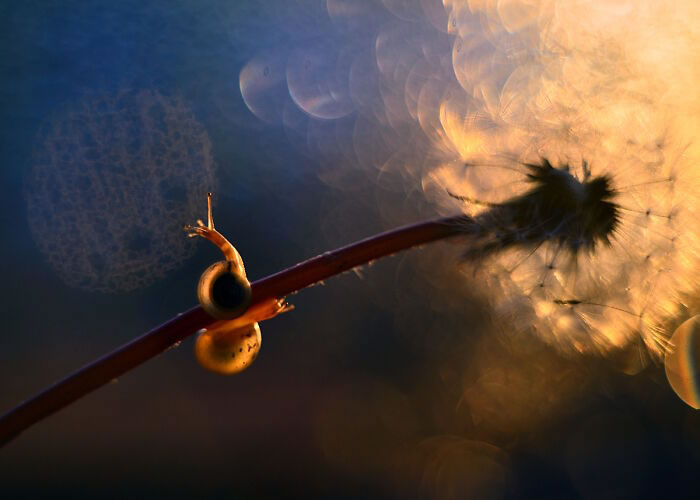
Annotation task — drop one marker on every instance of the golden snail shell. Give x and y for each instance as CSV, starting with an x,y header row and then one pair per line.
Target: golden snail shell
x,y
223,292
228,351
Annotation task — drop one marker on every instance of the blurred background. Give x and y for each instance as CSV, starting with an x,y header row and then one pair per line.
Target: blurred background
x,y
315,123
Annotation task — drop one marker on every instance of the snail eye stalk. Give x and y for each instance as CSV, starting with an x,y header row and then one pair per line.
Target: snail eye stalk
x,y
223,290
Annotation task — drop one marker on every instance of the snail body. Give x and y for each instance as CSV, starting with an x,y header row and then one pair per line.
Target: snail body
x,y
230,345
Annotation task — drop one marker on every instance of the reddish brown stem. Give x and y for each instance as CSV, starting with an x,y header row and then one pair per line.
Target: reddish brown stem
x,y
141,349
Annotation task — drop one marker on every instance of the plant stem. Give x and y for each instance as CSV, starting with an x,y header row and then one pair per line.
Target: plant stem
x,y
141,349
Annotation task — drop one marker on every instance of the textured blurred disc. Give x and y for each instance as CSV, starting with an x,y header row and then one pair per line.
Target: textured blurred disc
x,y
517,15
435,14
114,179
453,467
408,10
318,78
682,369
353,16
360,424
264,87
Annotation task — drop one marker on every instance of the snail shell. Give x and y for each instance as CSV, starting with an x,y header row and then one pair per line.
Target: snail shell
x,y
223,291
228,351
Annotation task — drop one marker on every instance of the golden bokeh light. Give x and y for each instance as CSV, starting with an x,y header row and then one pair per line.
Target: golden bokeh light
x,y
581,84
682,362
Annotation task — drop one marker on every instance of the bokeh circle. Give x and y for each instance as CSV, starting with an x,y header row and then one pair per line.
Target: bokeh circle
x,y
114,178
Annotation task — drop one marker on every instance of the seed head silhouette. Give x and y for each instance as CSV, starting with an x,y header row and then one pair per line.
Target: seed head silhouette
x,y
577,215
587,257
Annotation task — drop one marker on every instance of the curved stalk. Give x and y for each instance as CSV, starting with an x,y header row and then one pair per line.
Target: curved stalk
x,y
132,354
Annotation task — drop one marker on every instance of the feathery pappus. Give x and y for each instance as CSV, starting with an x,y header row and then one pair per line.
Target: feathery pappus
x,y
588,256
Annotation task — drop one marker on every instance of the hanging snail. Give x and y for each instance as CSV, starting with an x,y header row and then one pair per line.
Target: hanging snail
x,y
231,344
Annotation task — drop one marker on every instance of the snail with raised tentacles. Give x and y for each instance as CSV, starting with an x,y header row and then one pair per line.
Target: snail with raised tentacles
x,y
232,344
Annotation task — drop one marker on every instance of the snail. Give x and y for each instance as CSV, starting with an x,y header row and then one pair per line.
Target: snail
x,y
231,344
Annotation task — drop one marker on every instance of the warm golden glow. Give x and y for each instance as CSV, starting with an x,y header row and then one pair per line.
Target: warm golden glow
x,y
611,83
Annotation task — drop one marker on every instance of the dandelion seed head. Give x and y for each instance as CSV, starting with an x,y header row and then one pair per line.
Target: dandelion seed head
x,y
600,249
577,214
602,255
